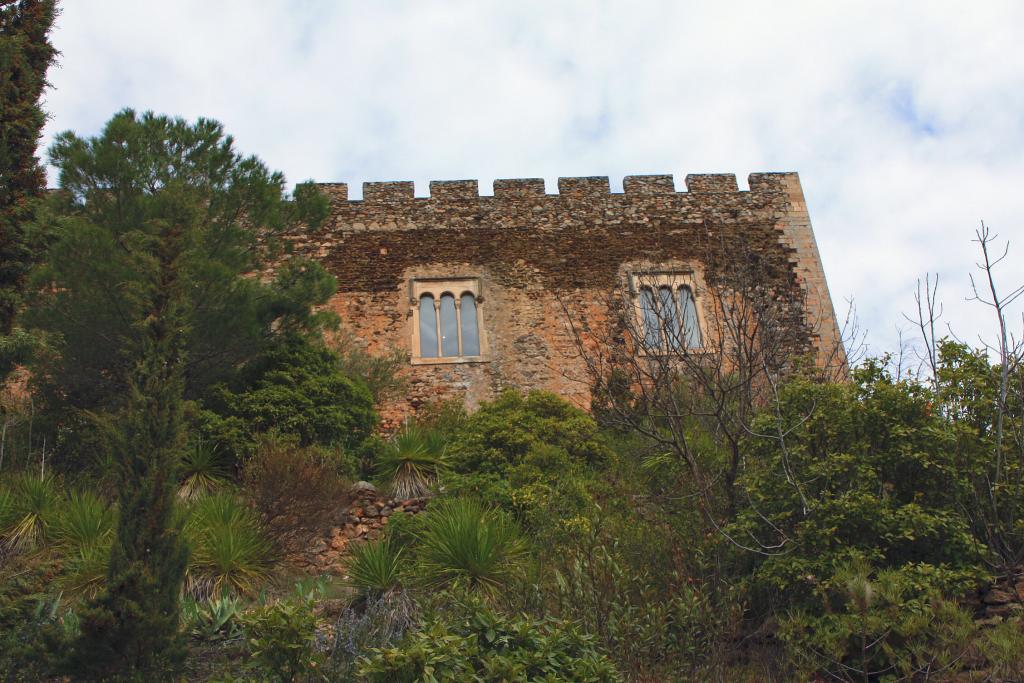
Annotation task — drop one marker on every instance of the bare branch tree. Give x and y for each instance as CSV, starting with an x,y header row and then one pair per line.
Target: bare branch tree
x,y
682,350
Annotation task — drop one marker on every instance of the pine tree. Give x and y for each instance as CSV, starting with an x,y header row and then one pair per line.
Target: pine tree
x,y
25,55
158,223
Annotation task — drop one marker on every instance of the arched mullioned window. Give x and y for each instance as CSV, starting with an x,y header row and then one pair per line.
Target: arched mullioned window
x,y
668,314
447,320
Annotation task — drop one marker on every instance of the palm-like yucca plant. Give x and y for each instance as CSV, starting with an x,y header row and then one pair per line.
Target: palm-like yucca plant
x,y
84,520
85,570
412,461
231,552
375,568
463,543
33,505
202,470
83,531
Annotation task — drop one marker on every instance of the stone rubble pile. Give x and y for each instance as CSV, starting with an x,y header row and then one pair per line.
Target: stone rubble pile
x,y
324,551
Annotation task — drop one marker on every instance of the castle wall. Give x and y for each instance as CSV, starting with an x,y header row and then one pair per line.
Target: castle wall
x,y
532,250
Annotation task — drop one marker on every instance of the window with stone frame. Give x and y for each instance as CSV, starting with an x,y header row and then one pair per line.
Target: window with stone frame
x,y
446,320
668,313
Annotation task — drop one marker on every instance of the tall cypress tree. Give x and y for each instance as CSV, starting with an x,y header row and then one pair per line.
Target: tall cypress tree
x,y
25,55
131,630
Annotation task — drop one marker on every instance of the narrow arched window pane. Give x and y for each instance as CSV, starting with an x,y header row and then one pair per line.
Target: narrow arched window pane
x,y
691,326
652,330
449,327
470,331
428,327
670,318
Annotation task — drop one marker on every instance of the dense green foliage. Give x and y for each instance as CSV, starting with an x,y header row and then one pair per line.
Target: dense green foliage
x,y
471,642
296,388
25,56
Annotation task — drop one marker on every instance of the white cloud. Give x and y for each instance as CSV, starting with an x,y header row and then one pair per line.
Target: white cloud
x,y
905,120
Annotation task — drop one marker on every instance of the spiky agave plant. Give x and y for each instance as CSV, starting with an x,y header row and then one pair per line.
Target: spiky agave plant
x,y
33,506
375,568
463,543
202,470
231,552
412,461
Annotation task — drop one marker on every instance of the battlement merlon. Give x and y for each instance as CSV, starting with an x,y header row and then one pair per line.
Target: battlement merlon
x,y
572,187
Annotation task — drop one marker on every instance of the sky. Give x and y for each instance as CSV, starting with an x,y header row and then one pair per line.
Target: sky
x,y
905,120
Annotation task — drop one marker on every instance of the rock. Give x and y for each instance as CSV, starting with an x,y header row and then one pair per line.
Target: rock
x,y
361,529
363,487
372,512
998,596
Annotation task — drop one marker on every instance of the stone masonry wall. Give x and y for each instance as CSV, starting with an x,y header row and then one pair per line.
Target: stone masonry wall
x,y
530,249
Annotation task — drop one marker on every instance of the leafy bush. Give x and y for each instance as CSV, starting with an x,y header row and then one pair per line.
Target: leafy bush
x,y
463,544
879,625
231,552
293,487
281,638
297,389
412,461
652,625
867,472
475,643
536,456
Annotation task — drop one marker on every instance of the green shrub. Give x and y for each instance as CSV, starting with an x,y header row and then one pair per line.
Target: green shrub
x,y
477,644
212,619
297,390
84,520
231,552
879,625
294,487
281,638
535,456
463,544
32,509
412,461
375,568
203,469
868,471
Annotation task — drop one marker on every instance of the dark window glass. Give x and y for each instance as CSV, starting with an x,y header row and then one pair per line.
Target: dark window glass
x,y
470,331
428,327
691,326
652,328
449,327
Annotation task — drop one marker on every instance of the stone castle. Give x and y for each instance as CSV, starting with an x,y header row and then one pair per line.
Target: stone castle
x,y
470,285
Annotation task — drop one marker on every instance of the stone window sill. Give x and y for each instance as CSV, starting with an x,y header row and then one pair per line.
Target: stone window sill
x,y
451,360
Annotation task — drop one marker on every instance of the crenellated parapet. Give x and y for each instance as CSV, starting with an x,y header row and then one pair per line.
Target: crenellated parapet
x,y
586,187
